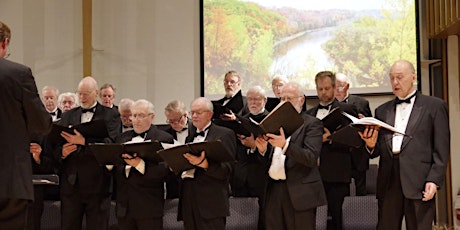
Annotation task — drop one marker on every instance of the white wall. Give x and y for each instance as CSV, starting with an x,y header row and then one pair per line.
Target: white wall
x,y
147,49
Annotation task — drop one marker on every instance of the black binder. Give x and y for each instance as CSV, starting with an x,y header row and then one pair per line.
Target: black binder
x,y
235,104
215,151
110,154
95,129
284,115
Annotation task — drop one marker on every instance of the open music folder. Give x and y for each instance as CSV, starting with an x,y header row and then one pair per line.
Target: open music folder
x,y
110,153
235,104
95,129
283,115
174,156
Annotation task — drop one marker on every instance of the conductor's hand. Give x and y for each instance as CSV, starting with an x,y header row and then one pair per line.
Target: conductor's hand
x,y
199,161
36,150
132,160
369,135
326,135
277,140
67,149
430,191
76,139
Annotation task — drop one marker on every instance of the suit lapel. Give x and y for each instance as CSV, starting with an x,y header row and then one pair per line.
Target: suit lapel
x,y
390,115
415,115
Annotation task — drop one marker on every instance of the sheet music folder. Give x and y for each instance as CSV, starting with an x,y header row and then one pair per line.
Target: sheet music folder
x,y
284,115
45,179
95,129
110,154
235,104
174,156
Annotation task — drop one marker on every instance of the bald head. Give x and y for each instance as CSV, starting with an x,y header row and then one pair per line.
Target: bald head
x,y
87,92
342,85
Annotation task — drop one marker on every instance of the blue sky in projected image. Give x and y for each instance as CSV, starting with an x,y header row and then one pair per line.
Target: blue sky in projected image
x,y
323,4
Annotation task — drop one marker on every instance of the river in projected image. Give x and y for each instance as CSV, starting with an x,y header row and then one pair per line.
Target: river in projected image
x,y
302,51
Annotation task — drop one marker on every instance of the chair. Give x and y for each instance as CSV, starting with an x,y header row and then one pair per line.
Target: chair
x,y
244,213
170,215
360,212
321,217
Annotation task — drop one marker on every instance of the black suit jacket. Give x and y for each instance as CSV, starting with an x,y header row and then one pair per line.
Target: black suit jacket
x,y
212,184
250,168
303,178
360,158
361,104
80,167
424,151
335,159
141,195
22,114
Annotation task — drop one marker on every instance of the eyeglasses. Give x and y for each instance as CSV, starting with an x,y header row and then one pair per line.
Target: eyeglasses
x,y
289,98
198,112
139,116
277,86
175,121
231,82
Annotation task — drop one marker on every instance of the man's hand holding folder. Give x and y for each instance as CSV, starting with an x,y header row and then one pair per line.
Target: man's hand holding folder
x,y
184,157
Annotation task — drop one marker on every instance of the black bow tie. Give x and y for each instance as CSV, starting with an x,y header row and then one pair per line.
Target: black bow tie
x,y
326,107
91,110
143,134
53,113
407,100
127,127
202,133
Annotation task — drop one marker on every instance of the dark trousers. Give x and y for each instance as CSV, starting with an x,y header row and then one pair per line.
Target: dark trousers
x,y
13,213
129,223
394,206
96,207
279,212
360,182
335,193
191,214
35,209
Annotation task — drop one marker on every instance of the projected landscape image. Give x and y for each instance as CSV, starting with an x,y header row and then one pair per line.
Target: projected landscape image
x,y
263,38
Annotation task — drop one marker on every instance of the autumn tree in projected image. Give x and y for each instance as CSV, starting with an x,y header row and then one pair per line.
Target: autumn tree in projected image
x,y
364,51
238,36
260,40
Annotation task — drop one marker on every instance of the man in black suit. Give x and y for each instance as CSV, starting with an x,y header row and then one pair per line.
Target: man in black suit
x,y
43,163
85,187
67,101
107,95
23,114
249,176
140,189
411,166
335,158
50,100
360,162
233,98
294,188
178,126
203,201
124,108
